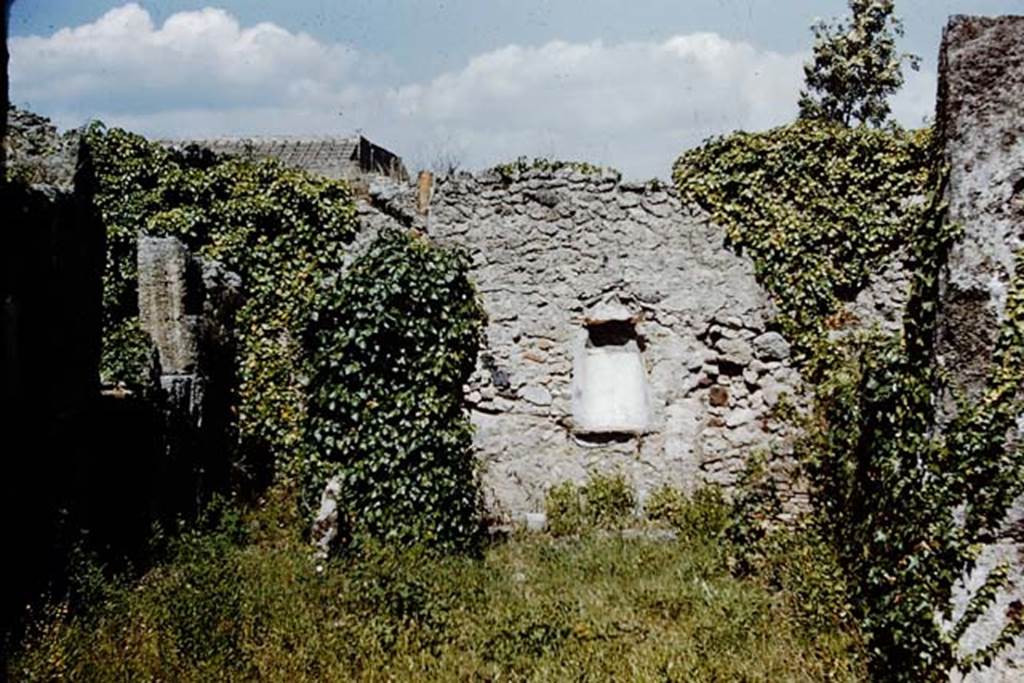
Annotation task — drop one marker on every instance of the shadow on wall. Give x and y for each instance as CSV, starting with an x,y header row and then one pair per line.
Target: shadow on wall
x,y
84,468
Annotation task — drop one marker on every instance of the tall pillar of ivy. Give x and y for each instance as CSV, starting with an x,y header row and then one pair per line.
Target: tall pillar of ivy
x,y
393,347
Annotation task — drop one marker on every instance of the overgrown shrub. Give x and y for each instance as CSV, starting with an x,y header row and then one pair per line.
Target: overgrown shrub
x,y
818,206
703,514
394,342
563,507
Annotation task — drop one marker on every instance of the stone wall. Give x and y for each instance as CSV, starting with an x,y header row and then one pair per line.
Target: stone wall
x,y
51,259
187,306
981,123
981,120
557,257
553,253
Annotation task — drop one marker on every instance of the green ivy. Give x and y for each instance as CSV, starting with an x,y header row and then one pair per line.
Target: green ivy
x,y
818,206
395,342
522,165
283,231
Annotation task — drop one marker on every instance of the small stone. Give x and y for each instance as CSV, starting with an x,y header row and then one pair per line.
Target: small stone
x,y
548,198
535,521
327,525
772,392
537,395
739,417
736,352
535,356
771,346
627,201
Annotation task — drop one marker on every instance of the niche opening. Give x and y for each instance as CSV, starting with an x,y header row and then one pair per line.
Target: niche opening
x,y
610,394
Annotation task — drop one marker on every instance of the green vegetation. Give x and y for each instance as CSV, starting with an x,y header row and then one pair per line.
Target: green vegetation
x,y
352,370
242,600
396,339
522,165
819,207
855,66
284,231
605,501
705,513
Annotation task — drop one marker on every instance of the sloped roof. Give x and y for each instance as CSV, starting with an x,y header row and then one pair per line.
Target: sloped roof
x,y
334,157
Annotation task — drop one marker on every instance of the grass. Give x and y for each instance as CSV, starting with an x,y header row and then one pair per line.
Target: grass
x,y
243,600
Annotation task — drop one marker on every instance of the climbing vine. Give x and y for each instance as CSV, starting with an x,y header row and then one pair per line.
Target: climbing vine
x,y
819,207
283,231
394,344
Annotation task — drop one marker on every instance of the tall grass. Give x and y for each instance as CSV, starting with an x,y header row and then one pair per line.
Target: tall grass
x,y
243,600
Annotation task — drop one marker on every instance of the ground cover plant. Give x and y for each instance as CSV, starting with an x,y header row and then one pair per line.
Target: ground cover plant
x,y
242,599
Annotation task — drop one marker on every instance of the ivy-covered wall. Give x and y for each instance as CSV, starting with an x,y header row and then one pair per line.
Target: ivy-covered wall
x,y
980,318
282,231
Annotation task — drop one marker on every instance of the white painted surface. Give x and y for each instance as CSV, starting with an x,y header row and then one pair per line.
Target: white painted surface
x,y
610,392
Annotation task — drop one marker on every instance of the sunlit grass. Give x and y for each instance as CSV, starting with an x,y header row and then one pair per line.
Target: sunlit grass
x,y
246,601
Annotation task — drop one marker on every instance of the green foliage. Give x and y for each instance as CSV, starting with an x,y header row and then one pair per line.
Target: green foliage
x,y
284,231
128,355
394,342
757,508
818,207
907,503
522,165
855,67
703,514
605,501
563,508
241,600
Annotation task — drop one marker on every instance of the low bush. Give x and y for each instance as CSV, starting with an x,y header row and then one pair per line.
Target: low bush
x,y
605,501
705,513
394,342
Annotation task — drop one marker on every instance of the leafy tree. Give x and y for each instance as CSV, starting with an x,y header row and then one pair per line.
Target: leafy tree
x,y
856,66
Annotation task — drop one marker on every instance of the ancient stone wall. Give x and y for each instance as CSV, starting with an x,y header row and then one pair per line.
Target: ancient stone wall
x,y
586,278
981,123
980,119
565,262
187,306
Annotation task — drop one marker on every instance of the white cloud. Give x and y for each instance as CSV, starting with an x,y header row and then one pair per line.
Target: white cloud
x,y
632,105
123,63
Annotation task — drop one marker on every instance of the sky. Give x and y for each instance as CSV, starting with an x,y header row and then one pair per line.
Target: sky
x,y
625,83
